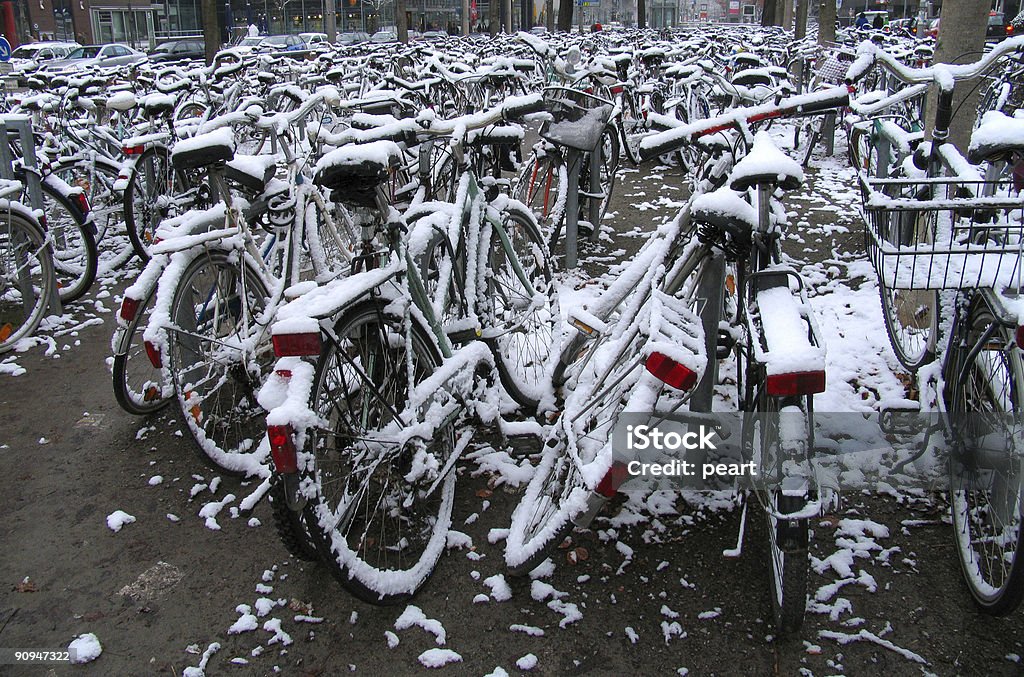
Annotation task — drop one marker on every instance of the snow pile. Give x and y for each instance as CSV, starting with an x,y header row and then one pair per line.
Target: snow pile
x,y
118,519
85,648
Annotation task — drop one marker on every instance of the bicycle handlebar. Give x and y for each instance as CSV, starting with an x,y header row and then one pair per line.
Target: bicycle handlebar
x,y
682,134
868,54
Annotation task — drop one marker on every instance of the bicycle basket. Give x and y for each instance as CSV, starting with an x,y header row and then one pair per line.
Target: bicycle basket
x,y
578,118
939,234
831,66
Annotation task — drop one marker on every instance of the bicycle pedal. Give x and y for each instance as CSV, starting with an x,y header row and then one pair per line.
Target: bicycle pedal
x,y
900,417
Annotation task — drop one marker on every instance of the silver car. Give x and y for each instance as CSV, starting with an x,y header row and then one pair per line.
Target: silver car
x,y
95,55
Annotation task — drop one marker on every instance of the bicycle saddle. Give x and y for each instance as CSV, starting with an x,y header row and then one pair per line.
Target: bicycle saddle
x,y
155,105
725,210
996,138
766,164
204,150
353,172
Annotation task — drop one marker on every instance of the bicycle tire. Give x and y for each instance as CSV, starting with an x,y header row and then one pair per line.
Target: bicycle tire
x,y
152,182
541,186
25,264
346,464
540,522
75,254
139,387
522,346
291,526
788,570
911,316
214,309
985,401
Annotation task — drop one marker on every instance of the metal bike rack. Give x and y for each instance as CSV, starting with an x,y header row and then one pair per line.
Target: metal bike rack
x,y
22,126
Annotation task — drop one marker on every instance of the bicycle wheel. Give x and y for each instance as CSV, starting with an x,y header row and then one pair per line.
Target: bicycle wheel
x,y
292,527
139,387
380,508
215,364
985,400
26,276
787,539
96,179
911,316
519,317
75,255
149,197
541,186
592,210
542,519
556,494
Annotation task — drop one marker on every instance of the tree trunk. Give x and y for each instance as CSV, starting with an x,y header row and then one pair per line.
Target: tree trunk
x,y
826,22
768,13
494,16
211,29
641,13
961,40
401,22
800,31
565,8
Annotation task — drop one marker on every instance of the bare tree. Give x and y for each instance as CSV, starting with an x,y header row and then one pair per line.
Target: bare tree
x,y
962,26
401,24
826,21
565,8
211,29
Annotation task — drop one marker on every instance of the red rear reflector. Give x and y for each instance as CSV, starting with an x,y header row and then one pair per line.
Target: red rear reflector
x,y
796,383
81,201
129,307
282,449
671,372
613,479
296,345
133,150
153,353
616,90
1020,337
283,373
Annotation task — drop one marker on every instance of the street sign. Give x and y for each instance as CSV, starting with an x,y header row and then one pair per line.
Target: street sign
x,y
5,50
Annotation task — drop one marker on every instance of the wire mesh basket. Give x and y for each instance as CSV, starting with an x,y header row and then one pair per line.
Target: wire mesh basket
x,y
831,66
945,233
578,118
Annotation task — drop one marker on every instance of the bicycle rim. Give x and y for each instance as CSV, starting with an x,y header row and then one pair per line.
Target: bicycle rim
x,y
985,405
214,362
522,315
381,533
139,387
26,278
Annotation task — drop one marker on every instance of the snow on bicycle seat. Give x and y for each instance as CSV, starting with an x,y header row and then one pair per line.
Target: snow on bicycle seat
x,y
753,77
725,209
997,136
253,172
349,166
154,105
204,150
121,101
173,86
765,163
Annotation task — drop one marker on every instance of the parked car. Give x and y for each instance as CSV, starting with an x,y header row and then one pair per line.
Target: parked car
x,y
95,55
313,39
539,30
998,28
933,29
281,43
178,50
353,38
249,43
28,58
434,36
384,36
